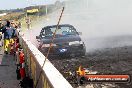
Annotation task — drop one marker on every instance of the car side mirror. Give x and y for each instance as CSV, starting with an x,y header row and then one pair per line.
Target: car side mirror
x,y
37,37
80,33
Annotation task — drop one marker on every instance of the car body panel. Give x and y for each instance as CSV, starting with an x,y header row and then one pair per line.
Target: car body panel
x,y
61,39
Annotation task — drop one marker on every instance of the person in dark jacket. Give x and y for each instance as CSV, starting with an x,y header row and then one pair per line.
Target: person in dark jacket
x,y
1,27
8,33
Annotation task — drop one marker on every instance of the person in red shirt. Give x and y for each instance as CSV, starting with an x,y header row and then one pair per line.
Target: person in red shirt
x,y
22,68
21,56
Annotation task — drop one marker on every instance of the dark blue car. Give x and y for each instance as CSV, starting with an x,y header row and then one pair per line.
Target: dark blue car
x,y
67,41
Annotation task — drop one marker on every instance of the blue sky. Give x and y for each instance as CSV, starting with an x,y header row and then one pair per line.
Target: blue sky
x,y
12,4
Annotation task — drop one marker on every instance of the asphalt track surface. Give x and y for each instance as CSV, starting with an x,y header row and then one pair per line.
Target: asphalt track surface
x,y
106,61
8,77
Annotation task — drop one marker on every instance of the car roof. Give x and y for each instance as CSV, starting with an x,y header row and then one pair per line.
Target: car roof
x,y
61,25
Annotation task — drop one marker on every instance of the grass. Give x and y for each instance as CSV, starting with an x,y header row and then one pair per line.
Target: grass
x,y
12,16
34,20
21,17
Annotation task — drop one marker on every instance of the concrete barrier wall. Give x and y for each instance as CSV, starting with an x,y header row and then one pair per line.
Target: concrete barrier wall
x,y
51,77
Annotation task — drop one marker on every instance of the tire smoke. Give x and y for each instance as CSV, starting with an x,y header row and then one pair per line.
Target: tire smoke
x,y
103,23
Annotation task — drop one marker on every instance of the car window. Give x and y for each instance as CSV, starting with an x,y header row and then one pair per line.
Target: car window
x,y
68,31
63,30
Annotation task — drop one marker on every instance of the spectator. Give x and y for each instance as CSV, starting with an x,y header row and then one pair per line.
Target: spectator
x,y
19,24
8,31
1,26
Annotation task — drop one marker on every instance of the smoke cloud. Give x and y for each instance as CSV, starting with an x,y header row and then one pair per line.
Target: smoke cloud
x,y
103,23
